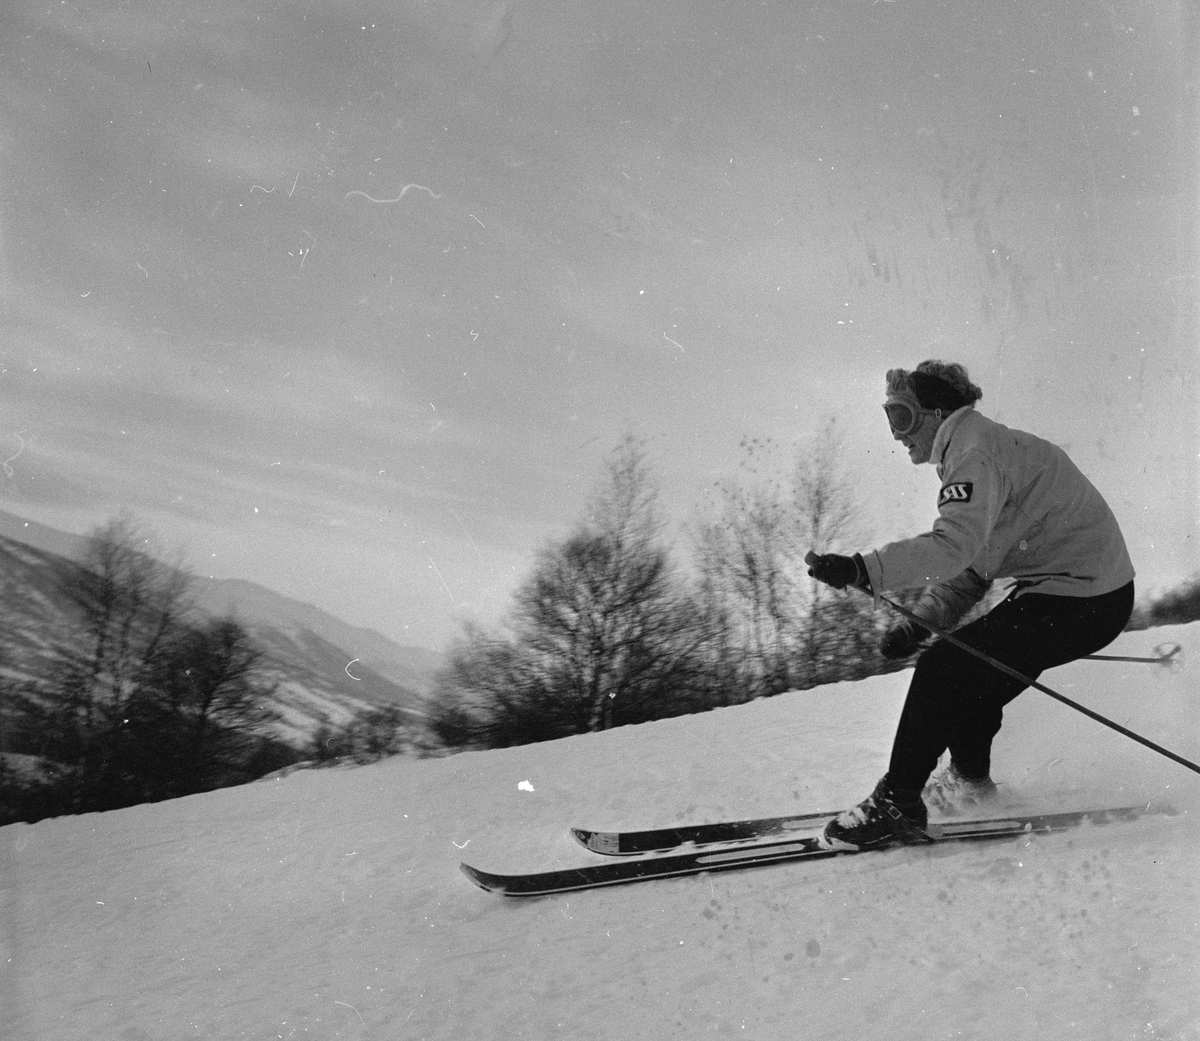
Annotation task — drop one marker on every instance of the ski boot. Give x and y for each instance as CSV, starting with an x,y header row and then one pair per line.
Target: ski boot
x,y
951,794
877,821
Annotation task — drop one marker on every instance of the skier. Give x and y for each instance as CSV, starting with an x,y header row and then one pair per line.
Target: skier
x,y
1010,505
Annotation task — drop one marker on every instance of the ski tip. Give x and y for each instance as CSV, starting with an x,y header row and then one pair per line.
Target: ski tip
x,y
483,879
597,841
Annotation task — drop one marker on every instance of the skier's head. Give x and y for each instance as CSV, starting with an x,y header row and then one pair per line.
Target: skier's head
x,y
919,401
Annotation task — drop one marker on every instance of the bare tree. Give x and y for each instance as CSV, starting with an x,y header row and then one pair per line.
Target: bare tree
x,y
202,706
838,628
138,699
601,634
600,617
370,734
787,631
492,693
747,556
127,606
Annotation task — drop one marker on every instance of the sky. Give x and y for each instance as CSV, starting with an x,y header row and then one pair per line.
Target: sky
x,y
355,299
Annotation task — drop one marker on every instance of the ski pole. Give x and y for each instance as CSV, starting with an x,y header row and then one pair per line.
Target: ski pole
x,y
1168,654
1007,670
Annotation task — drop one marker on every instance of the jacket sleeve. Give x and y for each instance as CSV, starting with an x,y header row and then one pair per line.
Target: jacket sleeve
x,y
944,604
969,504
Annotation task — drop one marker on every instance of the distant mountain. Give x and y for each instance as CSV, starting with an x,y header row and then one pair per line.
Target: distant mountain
x,y
42,537
324,668
257,607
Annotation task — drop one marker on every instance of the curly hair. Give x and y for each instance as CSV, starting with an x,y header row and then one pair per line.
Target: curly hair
x,y
951,373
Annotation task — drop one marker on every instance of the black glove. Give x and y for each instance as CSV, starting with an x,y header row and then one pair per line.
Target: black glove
x,y
902,639
838,571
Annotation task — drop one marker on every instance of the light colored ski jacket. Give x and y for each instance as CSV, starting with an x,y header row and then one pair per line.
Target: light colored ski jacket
x,y
1011,505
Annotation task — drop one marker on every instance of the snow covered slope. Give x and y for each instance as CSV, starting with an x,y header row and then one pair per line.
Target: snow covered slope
x,y
329,904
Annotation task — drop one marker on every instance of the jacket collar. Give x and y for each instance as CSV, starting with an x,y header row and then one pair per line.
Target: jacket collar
x,y
941,440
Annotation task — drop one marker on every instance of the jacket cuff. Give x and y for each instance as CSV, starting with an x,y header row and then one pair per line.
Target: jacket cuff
x,y
870,564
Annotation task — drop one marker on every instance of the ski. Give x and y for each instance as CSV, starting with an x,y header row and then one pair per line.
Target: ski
x,y
627,843
757,853
660,840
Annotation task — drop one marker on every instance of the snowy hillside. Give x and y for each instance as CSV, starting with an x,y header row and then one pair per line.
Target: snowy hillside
x,y
322,668
330,905
408,667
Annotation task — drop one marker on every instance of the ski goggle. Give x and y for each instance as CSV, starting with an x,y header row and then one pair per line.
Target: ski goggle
x,y
904,413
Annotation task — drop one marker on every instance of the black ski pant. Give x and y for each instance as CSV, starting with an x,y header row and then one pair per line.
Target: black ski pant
x,y
956,701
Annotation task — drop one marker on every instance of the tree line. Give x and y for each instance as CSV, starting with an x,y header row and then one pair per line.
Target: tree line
x,y
135,697
126,694
131,696
128,697
611,628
